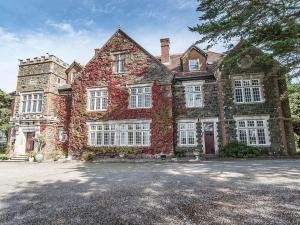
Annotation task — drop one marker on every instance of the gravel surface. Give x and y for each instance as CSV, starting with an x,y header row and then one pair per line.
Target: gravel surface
x,y
228,192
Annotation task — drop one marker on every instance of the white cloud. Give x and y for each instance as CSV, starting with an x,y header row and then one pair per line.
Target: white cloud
x,y
75,44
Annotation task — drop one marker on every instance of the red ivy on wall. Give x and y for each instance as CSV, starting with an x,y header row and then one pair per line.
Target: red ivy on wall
x,y
99,73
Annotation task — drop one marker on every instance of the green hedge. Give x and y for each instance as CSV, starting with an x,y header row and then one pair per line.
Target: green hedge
x,y
239,150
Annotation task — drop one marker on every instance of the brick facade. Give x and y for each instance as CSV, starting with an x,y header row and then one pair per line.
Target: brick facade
x,y
213,122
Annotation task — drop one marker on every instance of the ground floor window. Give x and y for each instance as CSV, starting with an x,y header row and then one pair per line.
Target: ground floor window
x,y
253,131
121,133
187,133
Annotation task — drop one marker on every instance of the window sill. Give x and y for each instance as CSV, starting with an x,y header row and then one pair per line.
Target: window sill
x,y
96,110
248,103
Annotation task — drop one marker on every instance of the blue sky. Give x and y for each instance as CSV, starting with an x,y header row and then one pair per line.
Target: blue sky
x,y
72,29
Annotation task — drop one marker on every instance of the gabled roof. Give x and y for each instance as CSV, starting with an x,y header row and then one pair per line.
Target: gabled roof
x,y
196,48
73,65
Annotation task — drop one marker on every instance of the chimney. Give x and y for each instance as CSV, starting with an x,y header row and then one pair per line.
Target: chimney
x,y
165,50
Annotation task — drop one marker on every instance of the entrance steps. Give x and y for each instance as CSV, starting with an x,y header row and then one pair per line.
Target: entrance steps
x,y
19,158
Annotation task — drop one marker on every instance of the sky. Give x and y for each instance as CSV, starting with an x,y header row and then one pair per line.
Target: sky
x,y
72,29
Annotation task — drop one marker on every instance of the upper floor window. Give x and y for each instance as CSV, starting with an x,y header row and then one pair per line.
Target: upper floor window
x,y
73,76
119,63
247,91
194,95
97,99
187,133
140,97
253,131
32,103
194,65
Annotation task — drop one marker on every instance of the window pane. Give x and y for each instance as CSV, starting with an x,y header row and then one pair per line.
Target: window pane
x,y
138,138
247,94
252,136
237,83
243,136
198,100
261,136
106,138
256,94
255,82
99,138
147,101
130,138
193,64
183,140
133,101
239,95
191,139
242,124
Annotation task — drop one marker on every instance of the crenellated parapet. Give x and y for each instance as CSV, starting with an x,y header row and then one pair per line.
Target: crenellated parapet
x,y
43,59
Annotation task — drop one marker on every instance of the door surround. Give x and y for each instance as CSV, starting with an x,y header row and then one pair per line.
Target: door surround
x,y
213,120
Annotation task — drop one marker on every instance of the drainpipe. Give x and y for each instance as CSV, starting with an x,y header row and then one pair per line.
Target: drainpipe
x,y
280,117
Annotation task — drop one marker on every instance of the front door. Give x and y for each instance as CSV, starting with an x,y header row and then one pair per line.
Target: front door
x,y
209,138
29,141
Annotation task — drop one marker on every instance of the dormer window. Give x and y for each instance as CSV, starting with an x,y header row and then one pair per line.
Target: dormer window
x,y
194,65
119,63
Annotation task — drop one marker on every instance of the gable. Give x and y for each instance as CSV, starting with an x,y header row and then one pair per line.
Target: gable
x,y
194,53
140,65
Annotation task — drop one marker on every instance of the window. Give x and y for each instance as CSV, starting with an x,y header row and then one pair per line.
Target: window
x,y
32,103
120,134
187,133
63,137
74,75
140,97
97,99
119,63
247,91
253,131
193,95
194,65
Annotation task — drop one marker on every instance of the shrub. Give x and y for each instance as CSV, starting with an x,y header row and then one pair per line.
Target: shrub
x,y
59,154
239,150
88,155
3,156
31,154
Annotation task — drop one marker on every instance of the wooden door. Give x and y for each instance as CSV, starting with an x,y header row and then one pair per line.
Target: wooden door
x,y
209,138
29,141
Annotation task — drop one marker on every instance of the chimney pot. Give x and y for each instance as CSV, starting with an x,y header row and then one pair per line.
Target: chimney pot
x,y
165,50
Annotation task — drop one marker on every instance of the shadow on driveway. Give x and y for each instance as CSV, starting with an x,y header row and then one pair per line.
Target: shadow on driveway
x,y
239,192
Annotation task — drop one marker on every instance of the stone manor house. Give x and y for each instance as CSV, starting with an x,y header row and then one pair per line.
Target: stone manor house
x,y
174,103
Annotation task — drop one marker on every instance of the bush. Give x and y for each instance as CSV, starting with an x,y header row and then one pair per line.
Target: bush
x,y
88,155
31,154
239,150
3,156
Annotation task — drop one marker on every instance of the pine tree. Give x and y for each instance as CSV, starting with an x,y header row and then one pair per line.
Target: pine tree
x,y
271,25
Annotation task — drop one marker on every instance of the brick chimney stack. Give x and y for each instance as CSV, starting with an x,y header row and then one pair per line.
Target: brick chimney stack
x,y
165,50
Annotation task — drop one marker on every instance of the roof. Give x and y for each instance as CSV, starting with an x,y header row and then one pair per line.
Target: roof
x,y
213,58
73,65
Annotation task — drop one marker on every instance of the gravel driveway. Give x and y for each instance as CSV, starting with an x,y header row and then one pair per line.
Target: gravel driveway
x,y
229,192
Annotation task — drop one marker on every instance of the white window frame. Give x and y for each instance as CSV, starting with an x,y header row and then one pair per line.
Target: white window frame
x,y
194,93
117,65
180,130
250,87
63,137
198,61
265,127
40,102
101,98
74,75
121,128
140,97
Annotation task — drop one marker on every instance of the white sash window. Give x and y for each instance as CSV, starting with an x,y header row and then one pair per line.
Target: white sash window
x,y
247,91
97,99
140,97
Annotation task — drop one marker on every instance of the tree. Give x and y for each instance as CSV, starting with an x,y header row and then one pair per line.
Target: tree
x,y
271,25
5,111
